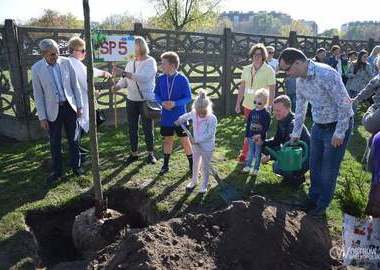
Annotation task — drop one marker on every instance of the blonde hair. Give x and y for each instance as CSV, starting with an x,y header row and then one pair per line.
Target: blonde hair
x,y
375,51
284,100
263,94
202,102
144,49
76,43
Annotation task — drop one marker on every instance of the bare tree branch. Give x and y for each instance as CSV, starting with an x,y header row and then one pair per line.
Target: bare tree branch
x,y
170,12
176,14
191,10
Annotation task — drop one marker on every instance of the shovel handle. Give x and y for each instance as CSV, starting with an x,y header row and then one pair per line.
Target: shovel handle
x,y
188,133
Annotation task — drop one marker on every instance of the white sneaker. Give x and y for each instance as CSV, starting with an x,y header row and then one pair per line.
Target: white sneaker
x,y
246,169
190,185
253,172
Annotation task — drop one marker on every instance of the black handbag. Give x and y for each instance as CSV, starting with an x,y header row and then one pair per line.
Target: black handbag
x,y
151,108
100,117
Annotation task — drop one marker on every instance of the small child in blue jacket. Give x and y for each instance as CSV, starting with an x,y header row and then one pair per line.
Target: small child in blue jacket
x,y
257,126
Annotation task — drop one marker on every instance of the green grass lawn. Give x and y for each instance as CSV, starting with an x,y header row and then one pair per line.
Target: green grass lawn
x,y
23,171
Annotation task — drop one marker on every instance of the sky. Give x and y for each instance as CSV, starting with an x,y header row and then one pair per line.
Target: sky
x,y
327,13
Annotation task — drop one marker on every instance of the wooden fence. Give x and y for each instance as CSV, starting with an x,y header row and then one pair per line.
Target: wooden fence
x,y
210,61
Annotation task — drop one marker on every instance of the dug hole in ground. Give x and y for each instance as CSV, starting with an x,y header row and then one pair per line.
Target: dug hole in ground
x,y
253,234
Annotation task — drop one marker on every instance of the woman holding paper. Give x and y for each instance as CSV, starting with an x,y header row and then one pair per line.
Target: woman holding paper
x,y
77,55
140,78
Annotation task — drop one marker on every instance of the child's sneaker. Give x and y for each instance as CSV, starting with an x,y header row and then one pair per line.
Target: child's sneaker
x,y
253,171
190,185
246,169
203,189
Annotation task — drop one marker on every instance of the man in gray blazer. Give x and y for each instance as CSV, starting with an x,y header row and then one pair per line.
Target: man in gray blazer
x,y
58,102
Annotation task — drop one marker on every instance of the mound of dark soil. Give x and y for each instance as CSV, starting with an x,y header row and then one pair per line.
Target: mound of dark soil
x,y
247,235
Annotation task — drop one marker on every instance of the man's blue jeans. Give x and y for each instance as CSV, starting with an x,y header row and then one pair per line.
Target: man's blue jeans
x,y
325,162
254,152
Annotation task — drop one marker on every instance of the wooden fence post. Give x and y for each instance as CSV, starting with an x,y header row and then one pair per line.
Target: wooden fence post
x,y
138,29
335,41
15,70
371,44
292,40
227,94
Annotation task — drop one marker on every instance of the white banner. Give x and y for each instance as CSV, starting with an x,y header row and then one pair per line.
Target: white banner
x,y
115,48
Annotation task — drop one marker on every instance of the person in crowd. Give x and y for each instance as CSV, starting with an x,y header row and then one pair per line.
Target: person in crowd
x,y
373,205
174,93
344,58
285,124
77,49
338,61
290,90
320,55
371,119
140,78
204,129
255,76
372,58
332,114
58,102
258,123
352,57
359,74
273,62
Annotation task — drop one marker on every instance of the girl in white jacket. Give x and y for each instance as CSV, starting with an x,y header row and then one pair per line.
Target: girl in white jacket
x,y
204,129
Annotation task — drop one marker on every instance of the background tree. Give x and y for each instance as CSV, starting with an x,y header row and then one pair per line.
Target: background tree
x,y
268,23
187,15
361,30
264,22
298,26
52,18
121,21
330,33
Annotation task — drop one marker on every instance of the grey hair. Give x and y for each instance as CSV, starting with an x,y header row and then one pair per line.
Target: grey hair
x,y
47,44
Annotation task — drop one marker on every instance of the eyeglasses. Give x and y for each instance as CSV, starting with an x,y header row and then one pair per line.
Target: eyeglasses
x,y
82,51
258,54
288,68
257,103
270,52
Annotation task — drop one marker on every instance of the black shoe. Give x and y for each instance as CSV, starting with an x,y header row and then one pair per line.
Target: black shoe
x,y
317,213
297,181
164,170
54,177
301,179
286,180
131,159
308,206
78,172
151,158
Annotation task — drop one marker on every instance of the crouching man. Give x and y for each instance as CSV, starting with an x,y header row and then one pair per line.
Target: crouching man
x,y
285,123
